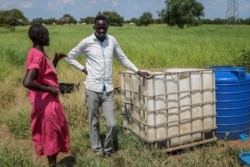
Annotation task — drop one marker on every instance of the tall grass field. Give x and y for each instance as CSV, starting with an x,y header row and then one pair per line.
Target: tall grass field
x,y
149,48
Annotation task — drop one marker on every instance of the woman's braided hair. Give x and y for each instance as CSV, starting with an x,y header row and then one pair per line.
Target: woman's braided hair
x,y
35,31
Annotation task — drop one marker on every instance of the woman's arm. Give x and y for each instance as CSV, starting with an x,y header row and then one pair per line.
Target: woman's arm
x,y
29,82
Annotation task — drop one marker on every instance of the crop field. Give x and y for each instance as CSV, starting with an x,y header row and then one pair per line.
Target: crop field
x,y
149,48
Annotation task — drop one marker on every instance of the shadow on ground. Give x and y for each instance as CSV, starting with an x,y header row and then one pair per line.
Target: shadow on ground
x,y
68,161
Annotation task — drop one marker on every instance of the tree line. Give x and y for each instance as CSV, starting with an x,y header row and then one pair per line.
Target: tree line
x,y
178,13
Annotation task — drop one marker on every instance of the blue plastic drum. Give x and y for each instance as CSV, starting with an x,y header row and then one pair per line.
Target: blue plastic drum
x,y
232,101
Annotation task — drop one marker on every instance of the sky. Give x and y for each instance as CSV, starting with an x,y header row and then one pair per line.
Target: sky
x,y
126,8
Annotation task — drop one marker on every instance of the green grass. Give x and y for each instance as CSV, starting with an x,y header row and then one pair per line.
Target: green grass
x,y
152,47
11,157
18,123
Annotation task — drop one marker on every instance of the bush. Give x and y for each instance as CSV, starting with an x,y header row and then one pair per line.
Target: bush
x,y
243,59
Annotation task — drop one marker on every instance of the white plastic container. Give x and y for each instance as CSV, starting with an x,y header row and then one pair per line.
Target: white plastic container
x,y
175,108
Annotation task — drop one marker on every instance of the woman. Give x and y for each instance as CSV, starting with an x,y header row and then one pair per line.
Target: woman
x,y
50,133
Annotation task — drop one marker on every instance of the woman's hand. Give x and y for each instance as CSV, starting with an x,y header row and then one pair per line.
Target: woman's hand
x,y
53,90
58,57
85,70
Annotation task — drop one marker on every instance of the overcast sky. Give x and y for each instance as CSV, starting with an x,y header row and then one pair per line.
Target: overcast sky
x,y
126,8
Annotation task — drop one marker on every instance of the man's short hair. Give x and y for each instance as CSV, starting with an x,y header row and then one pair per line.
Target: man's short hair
x,y
101,17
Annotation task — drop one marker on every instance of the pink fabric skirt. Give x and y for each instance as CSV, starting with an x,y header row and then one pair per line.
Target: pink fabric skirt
x,y
50,133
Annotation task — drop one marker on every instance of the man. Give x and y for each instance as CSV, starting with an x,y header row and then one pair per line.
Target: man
x,y
99,48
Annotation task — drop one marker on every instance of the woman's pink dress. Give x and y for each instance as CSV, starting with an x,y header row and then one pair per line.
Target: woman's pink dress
x,y
50,133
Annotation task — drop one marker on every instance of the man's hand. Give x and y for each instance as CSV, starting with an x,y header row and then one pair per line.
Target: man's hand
x,y
144,74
